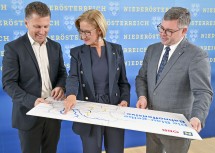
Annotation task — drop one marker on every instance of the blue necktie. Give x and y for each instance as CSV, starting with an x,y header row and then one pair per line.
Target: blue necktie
x,y
163,62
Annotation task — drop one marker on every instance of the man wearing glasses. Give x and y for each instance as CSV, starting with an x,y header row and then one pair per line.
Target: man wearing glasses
x,y
175,77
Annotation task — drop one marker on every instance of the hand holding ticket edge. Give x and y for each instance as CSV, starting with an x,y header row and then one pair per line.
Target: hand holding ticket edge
x,y
142,102
196,124
123,103
40,100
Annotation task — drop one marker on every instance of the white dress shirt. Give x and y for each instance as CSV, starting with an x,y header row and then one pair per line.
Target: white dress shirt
x,y
172,49
40,52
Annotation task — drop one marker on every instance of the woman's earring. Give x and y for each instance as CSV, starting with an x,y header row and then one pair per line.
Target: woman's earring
x,y
100,39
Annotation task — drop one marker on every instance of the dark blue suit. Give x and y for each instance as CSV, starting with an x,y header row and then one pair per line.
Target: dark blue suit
x,y
22,81
80,80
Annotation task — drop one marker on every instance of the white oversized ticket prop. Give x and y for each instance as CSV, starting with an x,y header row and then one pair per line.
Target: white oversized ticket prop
x,y
165,123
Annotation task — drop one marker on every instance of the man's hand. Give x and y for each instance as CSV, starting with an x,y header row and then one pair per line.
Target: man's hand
x,y
142,102
69,102
123,103
196,124
40,100
57,93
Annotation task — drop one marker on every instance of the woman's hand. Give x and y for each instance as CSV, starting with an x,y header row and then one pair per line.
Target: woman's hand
x,y
69,103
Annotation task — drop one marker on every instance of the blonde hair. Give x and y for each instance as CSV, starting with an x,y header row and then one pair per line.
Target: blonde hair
x,y
95,18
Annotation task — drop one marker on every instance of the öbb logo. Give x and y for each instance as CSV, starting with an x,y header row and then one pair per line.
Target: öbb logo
x,y
170,131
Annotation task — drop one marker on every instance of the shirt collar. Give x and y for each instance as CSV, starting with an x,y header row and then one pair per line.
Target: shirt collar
x,y
173,47
34,42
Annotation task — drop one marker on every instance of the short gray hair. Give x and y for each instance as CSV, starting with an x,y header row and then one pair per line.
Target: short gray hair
x,y
178,13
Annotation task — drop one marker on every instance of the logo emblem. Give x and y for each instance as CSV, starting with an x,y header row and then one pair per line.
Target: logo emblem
x,y
155,21
69,22
66,53
114,35
114,8
17,6
193,34
195,9
18,34
188,133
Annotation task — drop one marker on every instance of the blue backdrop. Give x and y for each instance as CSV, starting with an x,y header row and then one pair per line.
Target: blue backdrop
x,y
132,23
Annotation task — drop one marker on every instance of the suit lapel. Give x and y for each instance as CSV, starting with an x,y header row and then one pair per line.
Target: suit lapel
x,y
30,51
175,56
156,58
112,64
87,66
50,57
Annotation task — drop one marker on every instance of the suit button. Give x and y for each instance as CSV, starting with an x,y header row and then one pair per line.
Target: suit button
x,y
116,94
86,98
82,72
83,85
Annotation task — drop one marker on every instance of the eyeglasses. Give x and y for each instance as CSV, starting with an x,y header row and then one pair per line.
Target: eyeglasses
x,y
168,32
85,33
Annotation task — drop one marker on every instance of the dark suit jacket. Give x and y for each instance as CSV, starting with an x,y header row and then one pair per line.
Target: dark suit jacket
x,y
183,87
21,77
80,80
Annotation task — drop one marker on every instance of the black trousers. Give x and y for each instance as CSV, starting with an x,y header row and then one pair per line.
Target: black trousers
x,y
113,140
113,137
42,138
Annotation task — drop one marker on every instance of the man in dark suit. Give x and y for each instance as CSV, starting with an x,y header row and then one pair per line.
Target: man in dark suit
x,y
33,69
175,77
